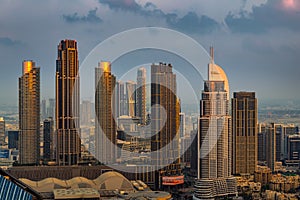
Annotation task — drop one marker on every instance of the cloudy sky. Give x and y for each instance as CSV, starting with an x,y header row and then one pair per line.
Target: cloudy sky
x,y
257,42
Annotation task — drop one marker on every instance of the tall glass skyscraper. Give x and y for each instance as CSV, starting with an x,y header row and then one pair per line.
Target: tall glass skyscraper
x,y
165,108
29,114
141,95
214,137
105,132
67,104
244,131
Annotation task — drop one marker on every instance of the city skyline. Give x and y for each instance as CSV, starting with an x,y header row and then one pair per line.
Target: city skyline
x,y
247,41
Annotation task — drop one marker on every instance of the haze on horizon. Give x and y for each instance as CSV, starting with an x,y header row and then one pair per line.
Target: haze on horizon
x,y
256,41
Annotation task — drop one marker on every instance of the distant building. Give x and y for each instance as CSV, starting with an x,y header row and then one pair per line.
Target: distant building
x,y
48,130
13,138
271,146
29,114
293,146
244,126
262,143
105,132
86,113
51,109
130,98
182,124
43,109
2,131
141,95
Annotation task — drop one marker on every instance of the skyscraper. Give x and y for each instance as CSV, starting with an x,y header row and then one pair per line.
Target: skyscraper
x,y
141,95
130,98
51,109
29,114
85,113
67,104
120,103
214,137
271,146
48,139
244,127
105,132
165,123
182,124
44,109
2,131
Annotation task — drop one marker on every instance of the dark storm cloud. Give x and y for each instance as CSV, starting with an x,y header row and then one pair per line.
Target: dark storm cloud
x,y
190,23
130,5
264,18
91,17
5,41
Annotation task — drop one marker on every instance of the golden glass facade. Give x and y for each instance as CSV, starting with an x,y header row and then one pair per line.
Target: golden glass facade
x,y
105,132
29,114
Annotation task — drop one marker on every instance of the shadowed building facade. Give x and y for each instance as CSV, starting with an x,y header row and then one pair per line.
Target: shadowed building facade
x,y
29,114
165,107
244,127
105,132
67,104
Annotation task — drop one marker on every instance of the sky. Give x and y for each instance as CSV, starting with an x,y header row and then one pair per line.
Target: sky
x,y
257,42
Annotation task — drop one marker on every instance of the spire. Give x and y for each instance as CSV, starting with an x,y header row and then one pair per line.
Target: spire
x,y
212,54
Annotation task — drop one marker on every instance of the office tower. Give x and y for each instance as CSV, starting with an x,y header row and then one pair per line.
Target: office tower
x,y
105,132
13,138
182,124
2,131
44,109
131,98
51,109
164,123
141,95
29,114
261,143
271,146
48,130
293,147
279,141
120,101
67,104
214,137
244,133
85,113
288,129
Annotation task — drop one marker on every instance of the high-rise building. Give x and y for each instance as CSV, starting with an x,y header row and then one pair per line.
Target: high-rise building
x,y
141,95
131,98
182,124
85,113
67,104
244,132
2,131
29,114
48,131
271,146
261,143
44,109
13,138
165,124
51,109
214,137
293,147
105,132
120,102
